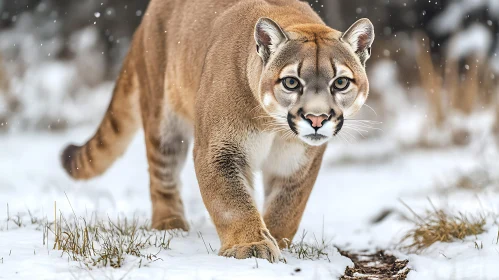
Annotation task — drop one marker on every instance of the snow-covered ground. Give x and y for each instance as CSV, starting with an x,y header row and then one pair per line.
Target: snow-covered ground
x,y
357,182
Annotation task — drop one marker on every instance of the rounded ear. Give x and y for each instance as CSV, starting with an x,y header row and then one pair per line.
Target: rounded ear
x,y
360,36
268,37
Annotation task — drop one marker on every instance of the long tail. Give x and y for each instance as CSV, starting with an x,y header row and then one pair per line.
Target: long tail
x,y
115,132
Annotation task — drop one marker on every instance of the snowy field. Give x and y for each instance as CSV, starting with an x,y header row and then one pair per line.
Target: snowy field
x,y
358,181
369,194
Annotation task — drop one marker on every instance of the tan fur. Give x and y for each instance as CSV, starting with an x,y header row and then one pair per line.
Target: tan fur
x,y
193,71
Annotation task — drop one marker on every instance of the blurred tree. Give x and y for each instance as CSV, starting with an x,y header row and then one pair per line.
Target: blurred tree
x,y
116,21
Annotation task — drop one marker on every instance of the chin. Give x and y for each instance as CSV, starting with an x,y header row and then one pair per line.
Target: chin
x,y
314,139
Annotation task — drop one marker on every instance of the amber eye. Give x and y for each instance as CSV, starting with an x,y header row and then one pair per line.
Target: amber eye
x,y
290,83
341,83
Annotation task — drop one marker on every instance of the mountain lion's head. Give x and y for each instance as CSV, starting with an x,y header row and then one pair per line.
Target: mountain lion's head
x,y
313,76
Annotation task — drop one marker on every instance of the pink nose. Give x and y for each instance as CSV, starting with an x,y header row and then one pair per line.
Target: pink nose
x,y
316,120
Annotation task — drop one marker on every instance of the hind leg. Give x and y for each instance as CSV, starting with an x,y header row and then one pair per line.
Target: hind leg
x,y
167,143
166,134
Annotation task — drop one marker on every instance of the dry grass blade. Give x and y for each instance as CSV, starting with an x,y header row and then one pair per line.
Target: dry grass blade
x,y
431,80
4,80
439,226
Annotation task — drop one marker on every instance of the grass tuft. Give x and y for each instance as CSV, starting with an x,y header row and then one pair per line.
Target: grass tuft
x,y
98,243
440,226
317,250
19,221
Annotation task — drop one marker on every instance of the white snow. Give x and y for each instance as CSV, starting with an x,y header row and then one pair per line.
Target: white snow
x,y
347,196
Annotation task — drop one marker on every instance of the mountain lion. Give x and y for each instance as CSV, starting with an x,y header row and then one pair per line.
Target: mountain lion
x,y
259,85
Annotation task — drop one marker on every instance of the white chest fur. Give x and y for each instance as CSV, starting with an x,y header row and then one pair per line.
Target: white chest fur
x,y
278,156
258,148
285,157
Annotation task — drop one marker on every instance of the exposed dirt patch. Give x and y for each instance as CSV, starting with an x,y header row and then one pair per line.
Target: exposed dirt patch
x,y
379,266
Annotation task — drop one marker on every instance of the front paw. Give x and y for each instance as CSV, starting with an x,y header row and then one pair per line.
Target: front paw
x,y
264,249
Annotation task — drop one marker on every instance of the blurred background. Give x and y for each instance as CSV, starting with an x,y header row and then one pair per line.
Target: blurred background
x,y
433,69
427,132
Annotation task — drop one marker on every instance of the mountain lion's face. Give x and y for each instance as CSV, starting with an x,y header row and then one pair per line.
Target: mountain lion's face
x,y
314,77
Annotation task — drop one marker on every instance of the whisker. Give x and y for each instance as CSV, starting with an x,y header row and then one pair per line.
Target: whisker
x,y
366,126
361,126
349,134
360,132
371,109
343,138
356,131
272,117
285,135
346,140
276,126
366,121
363,129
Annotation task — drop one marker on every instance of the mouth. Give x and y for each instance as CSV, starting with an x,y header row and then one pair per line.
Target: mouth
x,y
315,137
